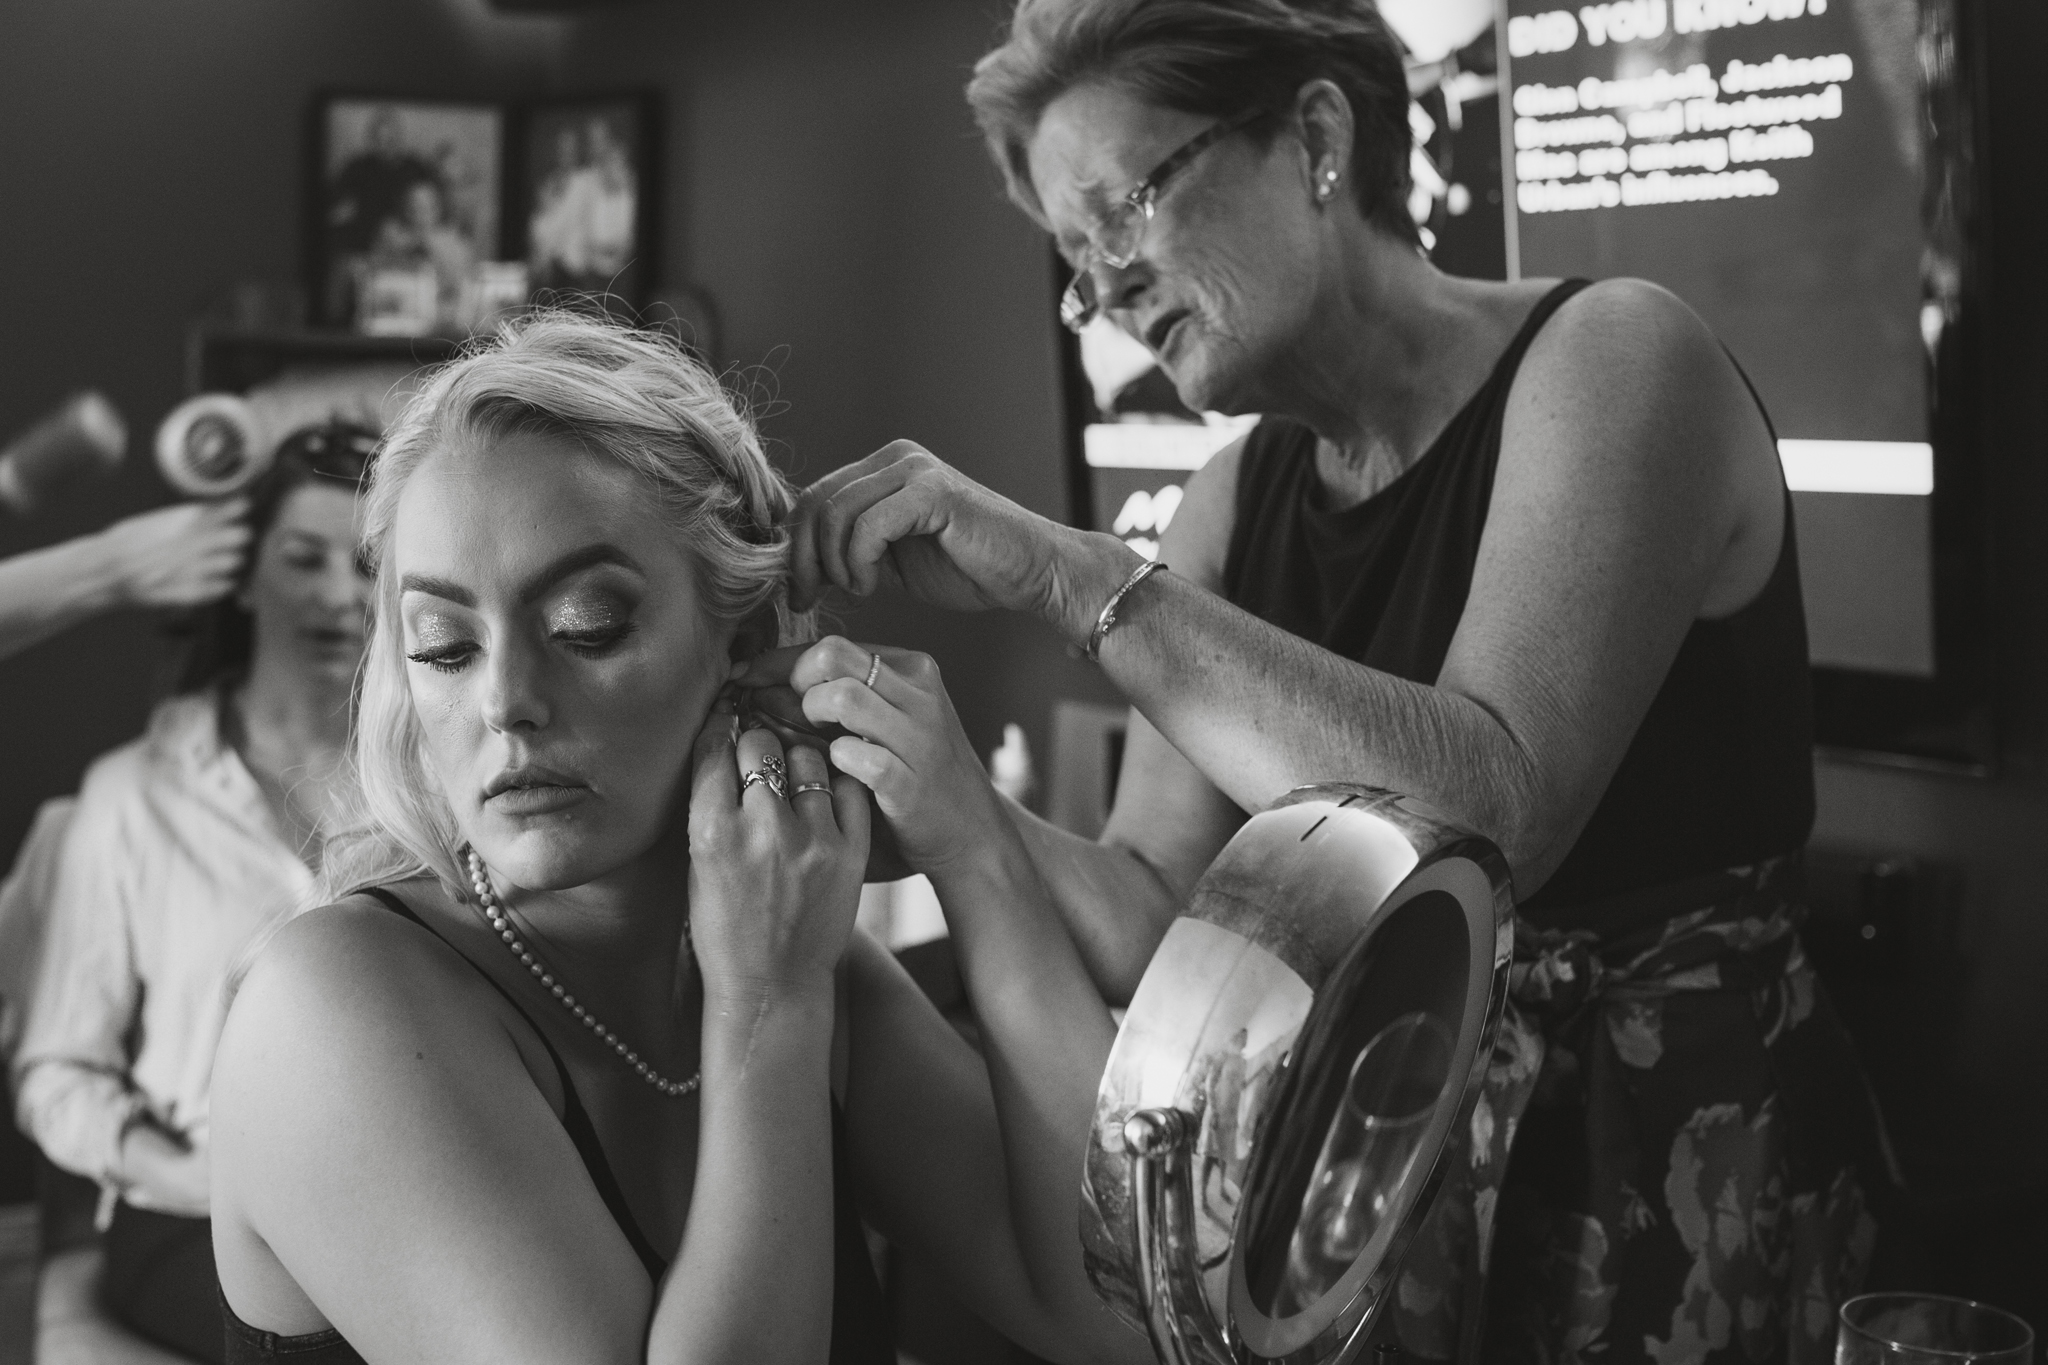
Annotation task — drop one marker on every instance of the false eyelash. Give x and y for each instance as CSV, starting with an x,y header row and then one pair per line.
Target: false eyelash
x,y
448,660
595,643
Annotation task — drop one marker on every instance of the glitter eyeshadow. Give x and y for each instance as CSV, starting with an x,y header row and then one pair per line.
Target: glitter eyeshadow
x,y
433,631
587,615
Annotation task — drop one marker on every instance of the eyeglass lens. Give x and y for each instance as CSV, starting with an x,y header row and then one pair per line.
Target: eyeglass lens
x,y
1078,304
1119,236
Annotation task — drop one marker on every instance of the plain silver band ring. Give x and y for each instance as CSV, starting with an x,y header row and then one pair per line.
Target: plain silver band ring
x,y
800,788
874,669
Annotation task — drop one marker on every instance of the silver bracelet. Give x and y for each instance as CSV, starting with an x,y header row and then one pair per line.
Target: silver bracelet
x,y
1107,621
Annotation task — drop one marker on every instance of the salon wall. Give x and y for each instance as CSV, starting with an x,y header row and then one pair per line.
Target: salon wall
x,y
152,157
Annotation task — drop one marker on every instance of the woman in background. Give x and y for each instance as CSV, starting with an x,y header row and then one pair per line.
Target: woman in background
x,y
186,845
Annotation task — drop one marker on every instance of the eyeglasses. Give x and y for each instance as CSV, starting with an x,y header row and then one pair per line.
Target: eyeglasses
x,y
1120,232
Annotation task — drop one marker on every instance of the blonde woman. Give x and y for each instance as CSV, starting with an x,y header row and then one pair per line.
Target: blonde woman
x,y
594,1068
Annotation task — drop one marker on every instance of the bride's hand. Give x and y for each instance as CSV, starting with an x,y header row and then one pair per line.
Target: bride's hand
x,y
774,882
907,745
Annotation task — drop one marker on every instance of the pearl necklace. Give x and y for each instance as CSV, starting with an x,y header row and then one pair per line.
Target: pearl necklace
x,y
487,898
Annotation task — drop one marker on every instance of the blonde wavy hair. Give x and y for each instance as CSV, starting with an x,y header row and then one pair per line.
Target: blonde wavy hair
x,y
630,396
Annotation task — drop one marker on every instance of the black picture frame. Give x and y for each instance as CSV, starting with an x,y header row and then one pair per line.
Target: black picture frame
x,y
369,152
584,212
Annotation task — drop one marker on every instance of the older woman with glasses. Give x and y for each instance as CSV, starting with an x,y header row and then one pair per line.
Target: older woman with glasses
x,y
1521,550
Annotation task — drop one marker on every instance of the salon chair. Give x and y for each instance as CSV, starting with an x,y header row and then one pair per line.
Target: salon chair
x,y
1279,1106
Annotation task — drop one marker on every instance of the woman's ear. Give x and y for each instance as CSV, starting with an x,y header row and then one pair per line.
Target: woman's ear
x,y
757,634
1323,116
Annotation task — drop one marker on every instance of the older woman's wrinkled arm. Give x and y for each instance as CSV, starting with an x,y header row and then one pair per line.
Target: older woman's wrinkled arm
x,y
1637,490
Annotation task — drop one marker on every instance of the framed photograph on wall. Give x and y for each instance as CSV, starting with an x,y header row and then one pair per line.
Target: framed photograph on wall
x,y
587,196
404,187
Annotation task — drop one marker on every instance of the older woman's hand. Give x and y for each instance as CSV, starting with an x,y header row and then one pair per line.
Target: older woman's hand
x,y
902,515
907,746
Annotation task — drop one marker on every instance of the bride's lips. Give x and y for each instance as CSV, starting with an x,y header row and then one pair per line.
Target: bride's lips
x,y
537,800
532,790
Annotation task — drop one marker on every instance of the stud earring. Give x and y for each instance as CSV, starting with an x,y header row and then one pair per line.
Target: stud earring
x,y
1328,187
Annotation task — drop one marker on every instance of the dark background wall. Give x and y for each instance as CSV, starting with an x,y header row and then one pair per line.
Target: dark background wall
x,y
1984,1053
824,181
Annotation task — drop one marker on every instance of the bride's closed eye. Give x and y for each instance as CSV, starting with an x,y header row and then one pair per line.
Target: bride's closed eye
x,y
440,644
592,624
592,627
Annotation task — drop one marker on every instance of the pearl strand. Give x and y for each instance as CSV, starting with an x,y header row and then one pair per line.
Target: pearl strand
x,y
487,898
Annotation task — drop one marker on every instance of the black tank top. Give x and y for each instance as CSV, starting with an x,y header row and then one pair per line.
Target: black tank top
x,y
860,1324
1719,773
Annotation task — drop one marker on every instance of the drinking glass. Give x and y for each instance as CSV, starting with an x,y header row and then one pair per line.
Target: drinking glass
x,y
1930,1329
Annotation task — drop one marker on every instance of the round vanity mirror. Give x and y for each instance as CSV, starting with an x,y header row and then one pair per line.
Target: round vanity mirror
x,y
1275,1114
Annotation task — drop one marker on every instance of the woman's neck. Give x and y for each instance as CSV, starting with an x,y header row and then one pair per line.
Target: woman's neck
x,y
292,735
619,937
638,907
284,711
1394,349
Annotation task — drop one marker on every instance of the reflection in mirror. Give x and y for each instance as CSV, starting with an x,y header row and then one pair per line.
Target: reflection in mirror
x,y
1346,1145
1373,1140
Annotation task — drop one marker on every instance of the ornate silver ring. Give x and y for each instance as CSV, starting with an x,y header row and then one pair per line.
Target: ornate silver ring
x,y
771,774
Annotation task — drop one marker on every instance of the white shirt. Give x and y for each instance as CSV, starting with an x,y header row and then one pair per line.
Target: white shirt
x,y
172,865
24,905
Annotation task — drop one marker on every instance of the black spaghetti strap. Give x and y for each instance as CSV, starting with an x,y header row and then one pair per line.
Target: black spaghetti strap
x,y
1560,293
575,1118
1750,384
392,902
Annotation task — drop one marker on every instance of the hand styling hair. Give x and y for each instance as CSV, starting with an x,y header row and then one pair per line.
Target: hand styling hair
x,y
622,394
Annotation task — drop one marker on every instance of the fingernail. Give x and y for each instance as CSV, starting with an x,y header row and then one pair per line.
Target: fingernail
x,y
739,666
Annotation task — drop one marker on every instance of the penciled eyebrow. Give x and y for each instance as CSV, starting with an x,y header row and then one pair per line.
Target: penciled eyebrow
x,y
537,583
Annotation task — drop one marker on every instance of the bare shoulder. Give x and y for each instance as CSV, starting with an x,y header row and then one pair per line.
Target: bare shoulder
x,y
355,950
1625,339
1625,370
338,992
1197,541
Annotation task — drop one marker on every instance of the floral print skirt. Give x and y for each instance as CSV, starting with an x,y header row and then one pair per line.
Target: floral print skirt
x,y
1675,1155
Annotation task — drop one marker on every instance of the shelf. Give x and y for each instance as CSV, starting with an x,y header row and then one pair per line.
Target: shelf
x,y
233,360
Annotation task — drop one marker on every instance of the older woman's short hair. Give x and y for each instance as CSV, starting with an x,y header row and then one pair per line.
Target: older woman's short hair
x,y
1214,57
629,396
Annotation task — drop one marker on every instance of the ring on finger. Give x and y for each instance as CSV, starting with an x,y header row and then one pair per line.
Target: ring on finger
x,y
874,669
800,788
771,774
